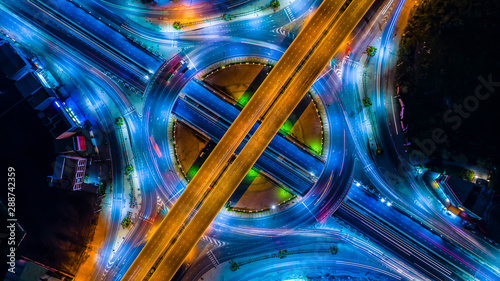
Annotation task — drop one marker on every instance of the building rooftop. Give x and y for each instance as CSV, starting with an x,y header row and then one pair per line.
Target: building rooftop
x,y
29,271
28,84
11,62
77,145
482,201
59,122
69,171
460,188
465,194
42,98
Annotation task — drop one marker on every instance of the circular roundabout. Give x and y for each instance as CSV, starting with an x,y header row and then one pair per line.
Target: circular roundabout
x,y
302,176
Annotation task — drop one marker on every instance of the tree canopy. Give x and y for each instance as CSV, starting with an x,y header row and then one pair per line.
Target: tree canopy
x,y
447,51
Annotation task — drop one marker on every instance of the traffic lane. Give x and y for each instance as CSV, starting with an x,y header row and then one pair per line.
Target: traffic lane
x,y
117,190
162,236
277,68
254,247
104,32
397,245
212,9
297,9
65,23
148,197
135,238
97,8
204,120
147,212
418,233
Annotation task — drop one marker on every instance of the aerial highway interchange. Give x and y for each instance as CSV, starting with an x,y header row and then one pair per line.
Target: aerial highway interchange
x,y
344,197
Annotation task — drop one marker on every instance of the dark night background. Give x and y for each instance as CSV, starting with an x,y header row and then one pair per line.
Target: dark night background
x,y
56,221
447,45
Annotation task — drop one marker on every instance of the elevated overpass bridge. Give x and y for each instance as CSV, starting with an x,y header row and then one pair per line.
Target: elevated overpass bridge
x,y
221,173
